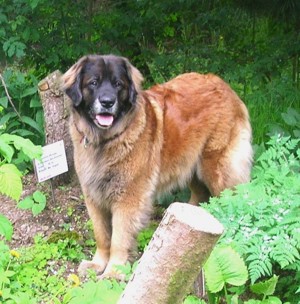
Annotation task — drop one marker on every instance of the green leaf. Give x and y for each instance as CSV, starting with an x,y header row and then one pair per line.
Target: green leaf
x,y
35,103
9,273
11,50
24,144
39,197
271,300
29,91
23,133
26,203
4,102
38,208
10,181
6,150
224,266
193,300
297,133
4,119
20,47
34,3
289,119
3,18
4,279
35,202
29,121
6,228
265,288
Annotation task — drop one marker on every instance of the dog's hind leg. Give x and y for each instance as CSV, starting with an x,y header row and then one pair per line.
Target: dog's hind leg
x,y
229,166
199,192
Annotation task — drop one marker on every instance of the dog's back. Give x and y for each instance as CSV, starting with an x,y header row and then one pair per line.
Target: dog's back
x,y
206,133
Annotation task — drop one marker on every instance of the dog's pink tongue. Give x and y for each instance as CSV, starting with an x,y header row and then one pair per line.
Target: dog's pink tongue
x,y
105,120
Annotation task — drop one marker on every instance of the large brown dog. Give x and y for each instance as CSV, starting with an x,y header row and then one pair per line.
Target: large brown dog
x,y
131,145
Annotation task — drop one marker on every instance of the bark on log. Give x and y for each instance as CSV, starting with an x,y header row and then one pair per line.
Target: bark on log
x,y
56,112
175,255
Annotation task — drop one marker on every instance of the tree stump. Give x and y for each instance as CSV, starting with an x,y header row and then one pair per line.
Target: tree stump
x,y
174,257
56,107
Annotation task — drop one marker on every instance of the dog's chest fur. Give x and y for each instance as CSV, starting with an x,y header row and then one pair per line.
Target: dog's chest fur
x,y
110,170
100,172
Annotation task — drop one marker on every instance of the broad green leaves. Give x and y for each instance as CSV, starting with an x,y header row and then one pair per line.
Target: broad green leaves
x,y
4,101
20,143
36,202
10,176
266,288
22,89
14,47
6,150
224,266
10,181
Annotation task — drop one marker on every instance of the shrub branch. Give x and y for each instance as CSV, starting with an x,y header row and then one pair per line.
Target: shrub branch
x,y
9,98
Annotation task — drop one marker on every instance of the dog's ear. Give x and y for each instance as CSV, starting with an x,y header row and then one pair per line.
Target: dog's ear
x,y
71,81
136,79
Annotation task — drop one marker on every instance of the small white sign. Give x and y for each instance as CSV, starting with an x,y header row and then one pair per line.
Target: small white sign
x,y
53,161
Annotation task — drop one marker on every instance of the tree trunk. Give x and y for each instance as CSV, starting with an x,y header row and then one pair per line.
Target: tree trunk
x,y
56,104
175,255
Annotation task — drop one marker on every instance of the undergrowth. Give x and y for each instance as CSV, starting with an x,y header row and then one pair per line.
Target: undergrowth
x,y
37,274
261,218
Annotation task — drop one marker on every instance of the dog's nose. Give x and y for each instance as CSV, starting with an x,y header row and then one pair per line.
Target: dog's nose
x,y
107,102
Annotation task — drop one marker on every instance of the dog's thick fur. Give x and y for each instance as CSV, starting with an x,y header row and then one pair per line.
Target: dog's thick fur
x,y
130,145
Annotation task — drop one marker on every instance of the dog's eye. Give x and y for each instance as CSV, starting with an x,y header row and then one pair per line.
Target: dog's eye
x,y
93,83
118,84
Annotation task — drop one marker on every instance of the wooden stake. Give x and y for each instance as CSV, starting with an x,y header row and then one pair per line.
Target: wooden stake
x,y
175,255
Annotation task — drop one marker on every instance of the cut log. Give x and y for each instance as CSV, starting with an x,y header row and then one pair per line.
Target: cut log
x,y
174,257
56,112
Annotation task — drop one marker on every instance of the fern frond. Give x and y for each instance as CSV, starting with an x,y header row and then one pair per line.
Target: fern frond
x,y
259,268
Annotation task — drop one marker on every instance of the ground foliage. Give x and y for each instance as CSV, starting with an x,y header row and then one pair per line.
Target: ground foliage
x,y
262,234
262,217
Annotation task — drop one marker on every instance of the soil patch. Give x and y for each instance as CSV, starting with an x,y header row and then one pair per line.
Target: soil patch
x,y
65,210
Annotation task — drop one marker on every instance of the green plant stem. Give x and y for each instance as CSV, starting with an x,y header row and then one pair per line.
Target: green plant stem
x,y
2,284
58,292
226,295
8,96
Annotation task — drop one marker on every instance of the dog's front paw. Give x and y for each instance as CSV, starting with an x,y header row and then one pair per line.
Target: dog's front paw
x,y
85,265
112,274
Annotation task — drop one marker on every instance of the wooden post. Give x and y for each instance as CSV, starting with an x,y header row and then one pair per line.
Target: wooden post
x,y
56,112
174,257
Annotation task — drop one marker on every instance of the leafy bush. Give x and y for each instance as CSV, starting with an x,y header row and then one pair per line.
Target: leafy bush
x,y
20,106
291,126
10,175
12,149
145,236
262,217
